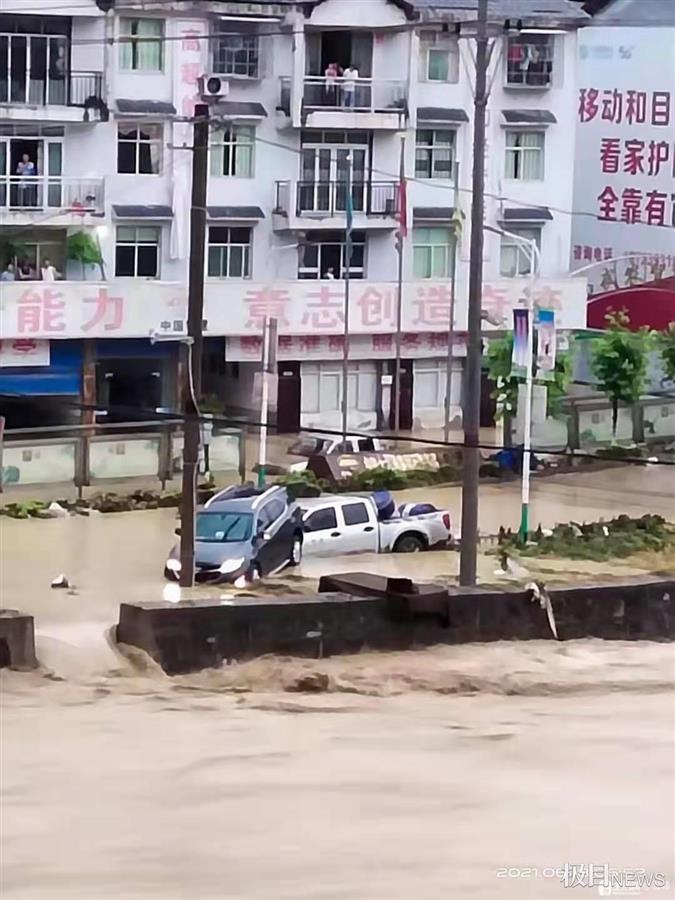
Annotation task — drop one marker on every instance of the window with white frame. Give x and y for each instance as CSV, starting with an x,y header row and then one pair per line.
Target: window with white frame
x,y
432,252
139,149
142,45
439,58
323,254
232,151
229,252
137,251
237,53
514,256
322,387
525,155
434,153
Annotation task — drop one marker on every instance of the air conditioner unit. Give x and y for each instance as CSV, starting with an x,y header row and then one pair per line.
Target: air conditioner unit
x,y
213,87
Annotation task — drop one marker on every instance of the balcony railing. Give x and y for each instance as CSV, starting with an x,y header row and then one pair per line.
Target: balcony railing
x,y
529,64
329,198
32,89
39,192
358,95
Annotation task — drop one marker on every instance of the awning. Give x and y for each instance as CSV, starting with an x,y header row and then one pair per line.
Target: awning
x,y
61,376
527,214
142,212
441,114
651,304
433,213
238,109
146,107
236,213
528,117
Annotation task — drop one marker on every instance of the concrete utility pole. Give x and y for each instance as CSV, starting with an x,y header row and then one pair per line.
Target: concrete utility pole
x,y
469,538
193,347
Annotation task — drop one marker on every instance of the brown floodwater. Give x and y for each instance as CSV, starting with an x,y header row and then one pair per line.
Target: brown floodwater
x,y
414,776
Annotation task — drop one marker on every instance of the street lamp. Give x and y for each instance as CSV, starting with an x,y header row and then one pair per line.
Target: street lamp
x,y
534,256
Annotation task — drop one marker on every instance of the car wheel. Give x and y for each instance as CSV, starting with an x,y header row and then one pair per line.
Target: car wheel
x,y
409,543
296,551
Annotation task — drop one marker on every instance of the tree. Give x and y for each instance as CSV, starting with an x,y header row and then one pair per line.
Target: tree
x,y
666,343
500,354
619,361
84,249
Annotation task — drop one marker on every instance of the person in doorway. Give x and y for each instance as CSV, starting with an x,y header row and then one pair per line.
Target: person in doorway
x,y
50,272
8,274
349,78
330,275
26,271
26,171
332,74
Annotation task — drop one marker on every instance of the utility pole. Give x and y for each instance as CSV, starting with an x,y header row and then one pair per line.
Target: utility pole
x,y
451,323
192,366
400,246
469,539
349,213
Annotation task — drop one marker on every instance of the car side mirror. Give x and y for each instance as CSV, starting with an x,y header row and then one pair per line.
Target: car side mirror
x,y
177,531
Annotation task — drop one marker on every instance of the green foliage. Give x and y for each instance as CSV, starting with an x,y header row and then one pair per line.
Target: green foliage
x,y
618,538
10,250
306,484
666,344
619,361
82,248
500,353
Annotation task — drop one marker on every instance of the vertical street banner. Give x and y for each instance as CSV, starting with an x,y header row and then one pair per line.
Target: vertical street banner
x,y
544,329
519,360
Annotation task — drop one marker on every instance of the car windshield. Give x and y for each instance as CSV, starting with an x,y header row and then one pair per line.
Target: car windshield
x,y
224,527
309,446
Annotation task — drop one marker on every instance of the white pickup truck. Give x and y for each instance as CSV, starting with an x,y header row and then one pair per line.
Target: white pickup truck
x,y
313,444
349,523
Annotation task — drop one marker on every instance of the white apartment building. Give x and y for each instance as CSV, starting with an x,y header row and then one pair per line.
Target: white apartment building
x,y
95,135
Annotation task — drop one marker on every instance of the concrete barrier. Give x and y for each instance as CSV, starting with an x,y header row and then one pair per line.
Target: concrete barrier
x,y
17,640
356,611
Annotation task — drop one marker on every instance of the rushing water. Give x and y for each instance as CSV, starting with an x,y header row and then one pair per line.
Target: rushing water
x,y
414,776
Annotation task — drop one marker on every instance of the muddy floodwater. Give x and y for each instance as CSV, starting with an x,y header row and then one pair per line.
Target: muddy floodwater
x,y
463,772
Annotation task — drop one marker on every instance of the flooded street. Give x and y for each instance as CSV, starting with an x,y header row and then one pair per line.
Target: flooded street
x,y
417,776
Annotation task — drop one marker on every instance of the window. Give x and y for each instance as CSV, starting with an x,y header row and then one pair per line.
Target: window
x,y
229,252
142,45
139,149
235,54
432,252
514,258
430,383
324,255
270,513
321,520
232,151
525,155
227,527
529,60
355,514
439,57
322,387
137,252
434,153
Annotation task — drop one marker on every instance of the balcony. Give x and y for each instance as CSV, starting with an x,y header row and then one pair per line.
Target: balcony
x,y
22,196
529,63
323,204
59,99
336,103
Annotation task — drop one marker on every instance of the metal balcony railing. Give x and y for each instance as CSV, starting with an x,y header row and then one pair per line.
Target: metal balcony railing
x,y
33,89
529,63
358,95
39,192
329,198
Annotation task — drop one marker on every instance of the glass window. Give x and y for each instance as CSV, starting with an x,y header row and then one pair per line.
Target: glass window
x,y
355,514
321,520
324,255
232,151
270,513
142,45
434,153
529,60
137,252
438,65
514,257
225,527
139,149
432,252
525,155
235,54
229,252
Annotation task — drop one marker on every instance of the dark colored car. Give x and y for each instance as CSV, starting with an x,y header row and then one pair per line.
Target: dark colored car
x,y
243,534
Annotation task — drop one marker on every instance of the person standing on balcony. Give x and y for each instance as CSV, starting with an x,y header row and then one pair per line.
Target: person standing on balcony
x,y
332,74
8,274
26,170
50,272
349,77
